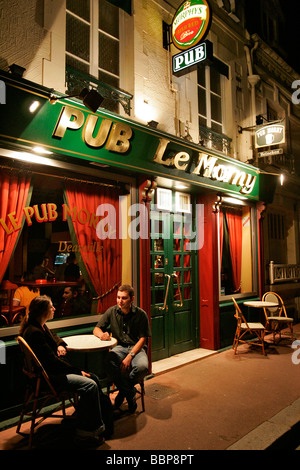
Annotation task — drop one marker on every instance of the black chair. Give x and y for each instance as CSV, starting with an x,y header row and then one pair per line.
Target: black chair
x,y
39,393
111,388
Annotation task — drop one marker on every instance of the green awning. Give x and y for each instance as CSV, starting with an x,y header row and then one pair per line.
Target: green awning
x,y
69,129
124,4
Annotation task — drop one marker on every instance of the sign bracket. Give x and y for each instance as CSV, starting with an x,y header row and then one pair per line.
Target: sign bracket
x,y
166,35
250,128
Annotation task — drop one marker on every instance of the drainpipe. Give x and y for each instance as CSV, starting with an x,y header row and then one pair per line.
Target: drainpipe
x,y
252,79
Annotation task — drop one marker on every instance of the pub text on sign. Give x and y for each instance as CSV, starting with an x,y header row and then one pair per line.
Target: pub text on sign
x,y
114,135
270,135
188,58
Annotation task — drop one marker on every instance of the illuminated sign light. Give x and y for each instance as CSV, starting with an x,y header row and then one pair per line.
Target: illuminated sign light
x,y
114,135
205,166
269,153
191,23
188,58
270,135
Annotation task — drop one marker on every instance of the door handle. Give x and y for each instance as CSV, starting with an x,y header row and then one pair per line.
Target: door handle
x,y
180,296
167,291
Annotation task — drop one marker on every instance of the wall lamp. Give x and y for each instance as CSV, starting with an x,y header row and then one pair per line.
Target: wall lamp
x,y
17,70
90,98
259,121
153,124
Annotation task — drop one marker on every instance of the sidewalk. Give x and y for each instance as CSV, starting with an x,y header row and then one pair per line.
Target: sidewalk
x,y
216,402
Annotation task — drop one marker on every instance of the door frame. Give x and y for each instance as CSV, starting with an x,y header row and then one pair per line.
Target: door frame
x,y
170,343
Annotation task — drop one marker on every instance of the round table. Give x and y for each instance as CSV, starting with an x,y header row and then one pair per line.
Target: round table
x,y
260,304
86,343
89,345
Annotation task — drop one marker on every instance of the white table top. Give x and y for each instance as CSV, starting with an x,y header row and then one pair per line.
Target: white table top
x,y
85,343
260,304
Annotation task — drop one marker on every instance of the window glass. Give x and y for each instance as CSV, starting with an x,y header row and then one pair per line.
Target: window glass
x,y
215,82
80,8
60,245
201,76
202,121
78,38
217,128
216,111
236,250
77,65
92,43
108,54
201,101
109,18
209,99
109,79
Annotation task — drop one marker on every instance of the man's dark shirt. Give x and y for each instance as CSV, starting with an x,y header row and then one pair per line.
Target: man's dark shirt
x,y
126,328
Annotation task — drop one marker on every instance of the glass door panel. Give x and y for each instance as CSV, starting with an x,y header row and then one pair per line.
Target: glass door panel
x,y
173,309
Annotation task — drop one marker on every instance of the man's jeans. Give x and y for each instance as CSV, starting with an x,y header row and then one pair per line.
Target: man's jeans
x,y
89,415
126,381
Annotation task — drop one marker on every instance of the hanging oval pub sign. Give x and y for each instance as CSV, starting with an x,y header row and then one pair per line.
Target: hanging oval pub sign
x,y
191,23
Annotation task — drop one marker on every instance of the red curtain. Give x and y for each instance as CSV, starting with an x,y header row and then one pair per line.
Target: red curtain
x,y
234,221
99,249
14,190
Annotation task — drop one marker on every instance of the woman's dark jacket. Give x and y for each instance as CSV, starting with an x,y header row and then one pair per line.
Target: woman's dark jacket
x,y
44,344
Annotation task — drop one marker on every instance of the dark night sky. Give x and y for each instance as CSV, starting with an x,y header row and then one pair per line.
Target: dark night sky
x,y
292,9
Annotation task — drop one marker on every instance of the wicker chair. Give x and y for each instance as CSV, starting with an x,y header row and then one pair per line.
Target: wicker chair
x,y
245,328
276,317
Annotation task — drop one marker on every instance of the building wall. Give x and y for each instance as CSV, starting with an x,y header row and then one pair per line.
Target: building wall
x,y
33,37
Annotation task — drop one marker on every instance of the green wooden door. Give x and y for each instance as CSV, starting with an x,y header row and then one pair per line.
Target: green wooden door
x,y
173,300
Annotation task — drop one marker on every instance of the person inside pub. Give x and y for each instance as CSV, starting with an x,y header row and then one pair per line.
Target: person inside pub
x,y
23,295
42,270
73,303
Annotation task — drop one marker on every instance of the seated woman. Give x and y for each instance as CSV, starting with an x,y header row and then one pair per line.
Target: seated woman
x,y
50,349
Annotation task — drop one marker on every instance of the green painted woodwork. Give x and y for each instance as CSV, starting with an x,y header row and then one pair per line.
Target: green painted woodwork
x,y
174,328
70,131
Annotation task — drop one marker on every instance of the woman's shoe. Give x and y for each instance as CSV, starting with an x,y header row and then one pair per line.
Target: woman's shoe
x,y
89,438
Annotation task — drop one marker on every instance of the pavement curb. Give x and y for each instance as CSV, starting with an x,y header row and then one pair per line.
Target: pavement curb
x,y
275,433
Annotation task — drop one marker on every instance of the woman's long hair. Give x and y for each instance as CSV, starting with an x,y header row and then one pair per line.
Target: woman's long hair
x,y
38,306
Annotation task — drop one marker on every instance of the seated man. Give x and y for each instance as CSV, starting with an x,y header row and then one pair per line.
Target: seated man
x,y
127,363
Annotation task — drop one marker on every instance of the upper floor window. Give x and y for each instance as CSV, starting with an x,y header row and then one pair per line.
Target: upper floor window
x,y
209,99
210,84
92,39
